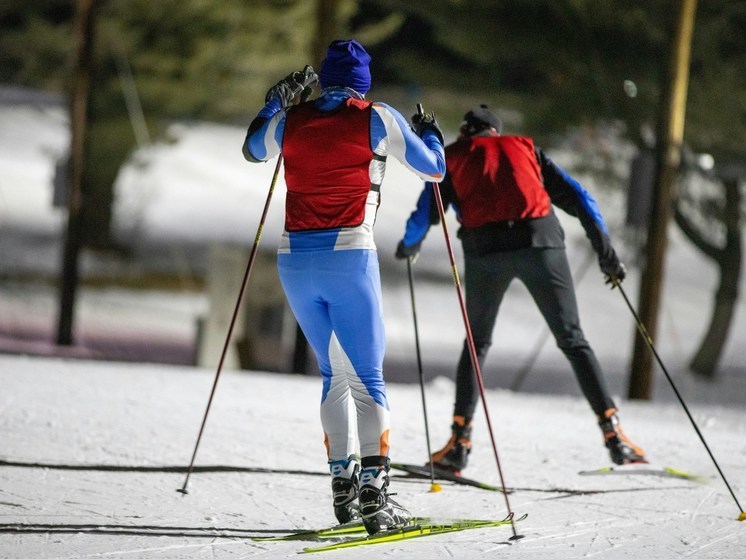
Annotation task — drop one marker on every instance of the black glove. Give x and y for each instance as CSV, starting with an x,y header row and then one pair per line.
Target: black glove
x,y
292,85
426,121
403,251
306,78
612,267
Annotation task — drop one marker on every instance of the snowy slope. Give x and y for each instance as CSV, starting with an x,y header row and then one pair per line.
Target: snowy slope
x,y
123,425
138,418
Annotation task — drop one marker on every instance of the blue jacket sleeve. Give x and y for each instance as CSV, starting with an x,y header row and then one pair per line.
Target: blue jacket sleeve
x,y
426,213
264,137
567,194
391,135
419,220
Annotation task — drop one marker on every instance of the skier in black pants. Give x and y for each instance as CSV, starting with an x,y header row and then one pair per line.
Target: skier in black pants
x,y
503,189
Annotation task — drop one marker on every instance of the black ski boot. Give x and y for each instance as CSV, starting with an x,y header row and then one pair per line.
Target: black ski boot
x,y
379,511
345,489
621,449
455,454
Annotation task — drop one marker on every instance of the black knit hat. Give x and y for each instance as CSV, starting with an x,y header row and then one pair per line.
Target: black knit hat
x,y
481,117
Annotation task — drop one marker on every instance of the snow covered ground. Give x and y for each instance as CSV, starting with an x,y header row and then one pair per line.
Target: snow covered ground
x,y
92,449
90,453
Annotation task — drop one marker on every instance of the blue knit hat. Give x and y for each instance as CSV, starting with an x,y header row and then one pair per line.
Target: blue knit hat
x,y
346,64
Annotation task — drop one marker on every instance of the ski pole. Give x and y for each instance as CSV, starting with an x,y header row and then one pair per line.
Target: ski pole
x,y
247,273
434,487
649,341
472,348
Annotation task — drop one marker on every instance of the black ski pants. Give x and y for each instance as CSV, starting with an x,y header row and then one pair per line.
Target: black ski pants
x,y
546,274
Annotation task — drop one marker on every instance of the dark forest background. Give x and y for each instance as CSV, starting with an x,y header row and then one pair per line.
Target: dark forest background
x,y
556,63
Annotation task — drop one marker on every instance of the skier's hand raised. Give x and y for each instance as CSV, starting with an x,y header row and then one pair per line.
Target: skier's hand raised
x,y
296,85
426,121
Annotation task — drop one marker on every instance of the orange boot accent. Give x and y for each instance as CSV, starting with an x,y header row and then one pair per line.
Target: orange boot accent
x,y
440,454
453,456
623,450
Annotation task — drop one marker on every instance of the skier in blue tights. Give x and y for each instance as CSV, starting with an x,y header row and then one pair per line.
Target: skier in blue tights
x,y
335,149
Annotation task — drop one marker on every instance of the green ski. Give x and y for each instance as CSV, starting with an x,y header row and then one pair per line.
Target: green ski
x,y
410,532
644,469
357,528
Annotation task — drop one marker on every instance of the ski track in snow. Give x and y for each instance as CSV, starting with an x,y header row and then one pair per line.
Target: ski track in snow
x,y
88,414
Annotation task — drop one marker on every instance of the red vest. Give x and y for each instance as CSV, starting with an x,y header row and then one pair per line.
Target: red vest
x,y
327,160
496,178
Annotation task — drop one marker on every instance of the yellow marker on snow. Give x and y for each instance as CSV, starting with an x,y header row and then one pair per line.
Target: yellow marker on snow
x,y
435,488
742,517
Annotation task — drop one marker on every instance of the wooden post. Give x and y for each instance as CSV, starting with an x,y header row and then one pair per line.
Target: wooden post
x,y
326,29
79,100
670,137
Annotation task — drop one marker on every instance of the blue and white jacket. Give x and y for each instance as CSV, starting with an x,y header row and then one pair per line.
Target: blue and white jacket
x,y
390,134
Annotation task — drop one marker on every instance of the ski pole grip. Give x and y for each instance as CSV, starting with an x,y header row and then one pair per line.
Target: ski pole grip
x,y
420,110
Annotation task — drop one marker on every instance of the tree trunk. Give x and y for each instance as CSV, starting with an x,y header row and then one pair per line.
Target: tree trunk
x,y
326,29
670,137
79,109
707,357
